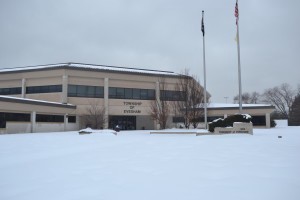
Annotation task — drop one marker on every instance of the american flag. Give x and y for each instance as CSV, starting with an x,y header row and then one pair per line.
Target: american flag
x,y
236,12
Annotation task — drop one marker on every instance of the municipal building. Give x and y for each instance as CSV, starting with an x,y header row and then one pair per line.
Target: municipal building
x,y
54,97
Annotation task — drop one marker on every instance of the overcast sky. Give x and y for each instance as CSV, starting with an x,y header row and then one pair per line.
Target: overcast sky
x,y
159,34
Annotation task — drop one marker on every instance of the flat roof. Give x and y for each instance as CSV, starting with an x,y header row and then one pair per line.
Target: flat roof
x,y
35,102
229,106
90,67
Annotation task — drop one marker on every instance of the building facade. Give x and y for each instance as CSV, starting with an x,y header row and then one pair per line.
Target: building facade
x,y
56,97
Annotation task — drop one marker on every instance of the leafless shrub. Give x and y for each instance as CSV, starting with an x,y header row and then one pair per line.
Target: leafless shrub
x,y
94,115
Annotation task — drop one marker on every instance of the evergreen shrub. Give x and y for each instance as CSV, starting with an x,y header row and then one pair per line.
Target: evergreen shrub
x,y
294,115
273,123
228,122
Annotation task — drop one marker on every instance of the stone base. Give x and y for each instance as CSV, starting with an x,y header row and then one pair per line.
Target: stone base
x,y
238,127
172,132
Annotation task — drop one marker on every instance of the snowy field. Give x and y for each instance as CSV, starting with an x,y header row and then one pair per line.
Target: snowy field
x,y
138,166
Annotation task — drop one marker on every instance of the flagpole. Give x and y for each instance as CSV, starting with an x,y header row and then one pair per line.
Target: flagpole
x,y
239,59
204,68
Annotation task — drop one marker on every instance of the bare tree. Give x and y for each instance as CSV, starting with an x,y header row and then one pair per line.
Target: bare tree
x,y
159,111
197,102
254,98
160,108
190,102
183,105
281,97
247,98
94,115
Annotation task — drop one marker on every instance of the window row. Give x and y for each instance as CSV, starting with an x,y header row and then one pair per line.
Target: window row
x,y
49,118
171,95
43,89
98,92
131,93
71,119
10,91
25,117
85,91
54,118
13,117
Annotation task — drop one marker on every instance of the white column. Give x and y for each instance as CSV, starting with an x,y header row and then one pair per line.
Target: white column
x,y
106,107
64,95
66,121
157,91
157,96
23,88
268,120
33,121
77,122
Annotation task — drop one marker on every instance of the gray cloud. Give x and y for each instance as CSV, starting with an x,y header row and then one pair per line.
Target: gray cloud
x,y
162,35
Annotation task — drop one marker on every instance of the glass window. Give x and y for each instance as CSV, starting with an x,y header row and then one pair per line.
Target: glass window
x,y
72,90
7,91
131,93
44,89
29,90
17,117
120,93
128,93
85,91
258,120
90,91
136,94
178,119
170,95
13,117
81,90
52,88
49,118
2,120
72,119
17,90
151,94
144,94
99,92
112,92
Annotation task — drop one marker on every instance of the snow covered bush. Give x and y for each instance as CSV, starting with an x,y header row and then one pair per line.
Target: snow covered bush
x,y
216,123
228,122
273,123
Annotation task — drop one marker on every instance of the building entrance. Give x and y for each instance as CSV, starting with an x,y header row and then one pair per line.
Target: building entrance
x,y
124,122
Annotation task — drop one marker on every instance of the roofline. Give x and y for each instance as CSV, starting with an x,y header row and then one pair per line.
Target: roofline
x,y
67,66
243,107
35,102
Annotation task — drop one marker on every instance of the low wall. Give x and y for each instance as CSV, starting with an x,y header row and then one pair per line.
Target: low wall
x,y
48,127
172,132
25,127
72,127
18,127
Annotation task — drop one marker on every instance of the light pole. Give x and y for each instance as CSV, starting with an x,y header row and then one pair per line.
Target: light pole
x,y
226,99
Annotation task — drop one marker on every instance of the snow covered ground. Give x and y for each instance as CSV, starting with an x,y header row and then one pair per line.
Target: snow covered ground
x,y
138,166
